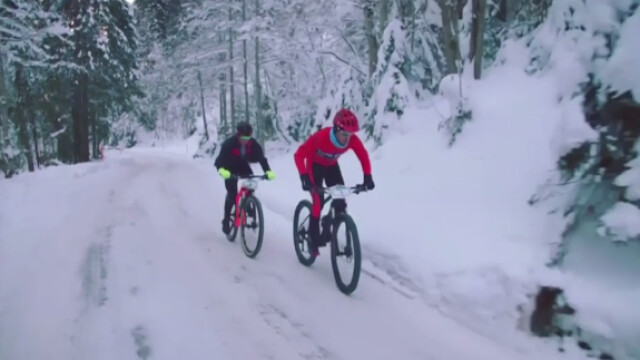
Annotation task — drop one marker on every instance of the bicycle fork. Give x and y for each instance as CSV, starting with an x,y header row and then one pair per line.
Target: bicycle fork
x,y
240,215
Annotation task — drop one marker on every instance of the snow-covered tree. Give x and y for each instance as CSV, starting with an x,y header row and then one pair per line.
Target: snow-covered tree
x,y
393,94
32,38
601,168
105,51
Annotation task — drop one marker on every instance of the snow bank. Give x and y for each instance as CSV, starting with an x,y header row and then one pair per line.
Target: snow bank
x,y
457,221
622,221
458,218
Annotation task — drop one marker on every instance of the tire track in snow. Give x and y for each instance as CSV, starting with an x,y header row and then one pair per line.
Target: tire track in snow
x,y
99,326
376,265
95,273
292,330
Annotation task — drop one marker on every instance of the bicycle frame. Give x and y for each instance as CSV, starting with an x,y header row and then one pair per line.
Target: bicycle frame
x,y
246,188
335,192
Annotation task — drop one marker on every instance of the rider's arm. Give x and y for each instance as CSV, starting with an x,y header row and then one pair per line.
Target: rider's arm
x,y
261,158
303,154
223,156
361,152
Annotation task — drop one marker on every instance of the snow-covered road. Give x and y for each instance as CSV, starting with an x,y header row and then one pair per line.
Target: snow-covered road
x,y
124,259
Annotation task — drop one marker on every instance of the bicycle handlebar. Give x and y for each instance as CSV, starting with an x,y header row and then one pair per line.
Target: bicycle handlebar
x,y
339,190
240,177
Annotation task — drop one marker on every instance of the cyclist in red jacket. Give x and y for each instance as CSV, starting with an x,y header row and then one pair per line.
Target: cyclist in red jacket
x,y
317,160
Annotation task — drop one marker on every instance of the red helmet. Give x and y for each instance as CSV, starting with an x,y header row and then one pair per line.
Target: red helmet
x,y
346,120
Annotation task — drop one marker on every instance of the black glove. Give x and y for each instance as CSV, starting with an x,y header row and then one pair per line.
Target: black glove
x,y
306,182
368,182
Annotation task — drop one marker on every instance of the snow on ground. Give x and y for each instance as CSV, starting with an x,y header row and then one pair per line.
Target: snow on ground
x,y
124,259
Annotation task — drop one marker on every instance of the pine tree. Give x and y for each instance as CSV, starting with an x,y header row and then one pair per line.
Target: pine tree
x,y
32,39
104,48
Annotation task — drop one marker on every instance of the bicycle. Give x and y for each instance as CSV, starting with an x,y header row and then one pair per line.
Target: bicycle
x,y
247,206
330,224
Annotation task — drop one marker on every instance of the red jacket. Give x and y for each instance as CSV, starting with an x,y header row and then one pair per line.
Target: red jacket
x,y
320,149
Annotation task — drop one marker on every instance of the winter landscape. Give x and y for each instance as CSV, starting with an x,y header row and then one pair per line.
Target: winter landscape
x,y
504,145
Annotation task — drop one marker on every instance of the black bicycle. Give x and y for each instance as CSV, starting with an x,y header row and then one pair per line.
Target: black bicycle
x,y
247,214
330,226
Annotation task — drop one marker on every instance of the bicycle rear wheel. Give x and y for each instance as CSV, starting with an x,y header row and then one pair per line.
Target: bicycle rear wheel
x,y
350,251
300,233
253,226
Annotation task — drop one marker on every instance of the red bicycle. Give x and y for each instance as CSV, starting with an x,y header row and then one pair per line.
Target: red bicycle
x,y
247,215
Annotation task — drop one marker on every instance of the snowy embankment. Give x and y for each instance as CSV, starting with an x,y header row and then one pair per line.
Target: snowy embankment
x,y
457,224
457,218
124,259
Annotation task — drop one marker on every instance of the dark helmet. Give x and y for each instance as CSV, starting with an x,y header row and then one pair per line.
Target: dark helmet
x,y
244,129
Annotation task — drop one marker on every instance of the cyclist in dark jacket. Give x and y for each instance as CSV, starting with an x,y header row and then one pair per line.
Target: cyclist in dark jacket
x,y
235,155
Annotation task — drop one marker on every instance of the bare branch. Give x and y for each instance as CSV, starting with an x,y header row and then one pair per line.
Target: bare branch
x,y
325,52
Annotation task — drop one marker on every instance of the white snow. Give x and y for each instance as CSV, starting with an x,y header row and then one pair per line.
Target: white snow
x,y
631,177
626,56
124,259
622,221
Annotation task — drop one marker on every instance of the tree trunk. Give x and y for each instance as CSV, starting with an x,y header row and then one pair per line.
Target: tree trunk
x,y
405,10
80,114
34,134
508,9
222,77
232,101
477,36
29,107
94,135
223,105
384,14
245,63
413,26
460,4
23,132
259,125
4,120
369,27
451,47
204,113
64,145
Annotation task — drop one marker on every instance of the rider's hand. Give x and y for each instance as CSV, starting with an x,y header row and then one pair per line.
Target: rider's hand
x,y
224,173
368,182
270,175
306,182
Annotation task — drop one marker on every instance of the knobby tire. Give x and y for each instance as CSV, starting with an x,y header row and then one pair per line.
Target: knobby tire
x,y
350,225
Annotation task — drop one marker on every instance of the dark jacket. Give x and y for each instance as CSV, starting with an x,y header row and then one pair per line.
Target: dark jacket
x,y
233,158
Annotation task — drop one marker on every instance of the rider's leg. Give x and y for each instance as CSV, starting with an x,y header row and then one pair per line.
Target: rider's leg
x,y
232,191
245,170
317,177
334,177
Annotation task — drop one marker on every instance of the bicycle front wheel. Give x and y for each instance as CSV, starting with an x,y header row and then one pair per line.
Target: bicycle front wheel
x,y
345,254
252,227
